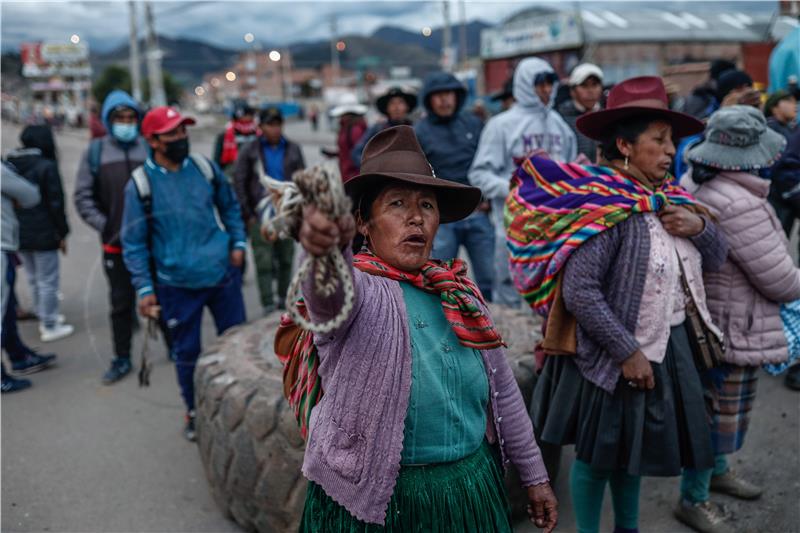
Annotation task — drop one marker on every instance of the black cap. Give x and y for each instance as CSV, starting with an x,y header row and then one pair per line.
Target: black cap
x,y
731,80
270,114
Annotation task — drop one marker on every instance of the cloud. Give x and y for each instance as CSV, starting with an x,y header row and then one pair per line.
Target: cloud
x,y
105,24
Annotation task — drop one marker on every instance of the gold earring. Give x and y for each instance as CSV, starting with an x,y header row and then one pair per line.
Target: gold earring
x,y
626,162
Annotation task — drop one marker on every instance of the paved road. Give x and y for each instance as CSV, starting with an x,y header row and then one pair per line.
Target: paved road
x,y
78,456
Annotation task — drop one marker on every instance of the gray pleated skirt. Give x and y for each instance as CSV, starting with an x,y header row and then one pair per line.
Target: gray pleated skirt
x,y
646,433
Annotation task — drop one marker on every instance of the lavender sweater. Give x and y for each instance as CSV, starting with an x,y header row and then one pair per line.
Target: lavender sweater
x,y
356,431
603,285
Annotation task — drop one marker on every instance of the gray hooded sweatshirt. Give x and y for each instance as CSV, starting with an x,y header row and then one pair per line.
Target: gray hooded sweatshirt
x,y
528,125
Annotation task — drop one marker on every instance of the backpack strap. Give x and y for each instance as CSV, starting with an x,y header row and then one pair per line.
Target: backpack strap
x,y
202,163
142,184
95,152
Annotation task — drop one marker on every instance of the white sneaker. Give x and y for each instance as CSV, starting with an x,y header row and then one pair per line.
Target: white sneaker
x,y
59,331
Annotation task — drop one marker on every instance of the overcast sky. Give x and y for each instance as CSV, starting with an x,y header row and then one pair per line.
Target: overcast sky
x,y
105,24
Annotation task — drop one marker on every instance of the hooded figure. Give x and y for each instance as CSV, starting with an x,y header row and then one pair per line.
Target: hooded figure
x,y
529,125
449,142
449,138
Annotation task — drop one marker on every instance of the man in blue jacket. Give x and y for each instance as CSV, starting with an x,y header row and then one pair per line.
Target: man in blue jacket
x,y
449,139
180,257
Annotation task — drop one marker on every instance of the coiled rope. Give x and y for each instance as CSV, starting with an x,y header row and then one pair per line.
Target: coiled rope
x,y
322,187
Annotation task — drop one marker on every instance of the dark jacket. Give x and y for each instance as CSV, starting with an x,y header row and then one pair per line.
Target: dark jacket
x,y
702,102
785,176
449,143
570,113
246,180
100,199
784,129
43,226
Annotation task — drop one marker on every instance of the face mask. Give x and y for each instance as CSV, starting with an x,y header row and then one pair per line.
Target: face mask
x,y
124,132
177,151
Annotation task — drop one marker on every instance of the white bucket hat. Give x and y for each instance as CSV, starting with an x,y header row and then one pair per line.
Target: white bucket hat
x,y
348,103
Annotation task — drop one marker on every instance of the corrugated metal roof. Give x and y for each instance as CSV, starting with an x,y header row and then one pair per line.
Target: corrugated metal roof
x,y
656,25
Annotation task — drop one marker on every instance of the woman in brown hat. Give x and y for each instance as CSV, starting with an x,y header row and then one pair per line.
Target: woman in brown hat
x,y
420,409
629,397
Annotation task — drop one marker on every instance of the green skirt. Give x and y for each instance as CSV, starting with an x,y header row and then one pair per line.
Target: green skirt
x,y
465,495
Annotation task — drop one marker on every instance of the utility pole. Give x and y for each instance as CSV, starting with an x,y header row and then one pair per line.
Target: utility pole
x,y
334,51
133,47
462,34
157,95
447,60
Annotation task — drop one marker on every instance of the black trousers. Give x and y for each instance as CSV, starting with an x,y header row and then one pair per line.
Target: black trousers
x,y
123,305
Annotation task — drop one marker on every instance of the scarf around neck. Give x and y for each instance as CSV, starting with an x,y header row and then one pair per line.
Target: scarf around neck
x,y
459,296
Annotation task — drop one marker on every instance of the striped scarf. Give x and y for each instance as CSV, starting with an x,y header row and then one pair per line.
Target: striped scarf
x,y
448,279
295,347
553,208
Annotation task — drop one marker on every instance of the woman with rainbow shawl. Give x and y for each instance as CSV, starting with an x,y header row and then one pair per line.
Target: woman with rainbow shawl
x,y
599,251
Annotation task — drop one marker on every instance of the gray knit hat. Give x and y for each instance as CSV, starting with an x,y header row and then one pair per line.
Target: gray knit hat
x,y
737,138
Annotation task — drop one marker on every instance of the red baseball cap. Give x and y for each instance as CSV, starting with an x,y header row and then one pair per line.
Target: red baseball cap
x,y
162,120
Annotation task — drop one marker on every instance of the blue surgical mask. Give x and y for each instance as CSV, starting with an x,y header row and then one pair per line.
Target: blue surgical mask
x,y
124,132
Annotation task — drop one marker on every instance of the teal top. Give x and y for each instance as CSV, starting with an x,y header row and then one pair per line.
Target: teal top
x,y
446,418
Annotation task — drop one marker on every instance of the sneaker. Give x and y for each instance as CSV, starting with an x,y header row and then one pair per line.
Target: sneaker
x,y
13,384
188,429
59,331
120,367
704,517
792,379
33,362
732,485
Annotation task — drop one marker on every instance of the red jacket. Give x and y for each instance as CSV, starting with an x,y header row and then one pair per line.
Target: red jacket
x,y
350,132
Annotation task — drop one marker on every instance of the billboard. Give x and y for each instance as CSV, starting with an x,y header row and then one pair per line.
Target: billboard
x,y
41,60
556,31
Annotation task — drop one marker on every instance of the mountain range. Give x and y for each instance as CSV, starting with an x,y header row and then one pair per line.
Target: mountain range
x,y
388,46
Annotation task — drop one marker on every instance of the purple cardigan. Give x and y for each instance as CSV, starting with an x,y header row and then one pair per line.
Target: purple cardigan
x,y
356,431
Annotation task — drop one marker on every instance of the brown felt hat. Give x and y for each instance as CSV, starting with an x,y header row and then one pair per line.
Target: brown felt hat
x,y
645,95
394,154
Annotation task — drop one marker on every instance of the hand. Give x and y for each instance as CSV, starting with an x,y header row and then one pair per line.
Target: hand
x,y
680,222
275,196
62,245
319,234
148,306
237,257
543,507
582,160
637,370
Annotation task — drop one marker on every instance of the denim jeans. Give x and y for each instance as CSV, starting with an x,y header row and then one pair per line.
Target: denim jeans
x,y
476,234
42,270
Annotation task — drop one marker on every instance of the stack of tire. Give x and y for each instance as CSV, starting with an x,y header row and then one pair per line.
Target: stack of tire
x,y
248,437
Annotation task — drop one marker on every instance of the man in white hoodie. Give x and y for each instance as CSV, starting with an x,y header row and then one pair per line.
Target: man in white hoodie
x,y
530,125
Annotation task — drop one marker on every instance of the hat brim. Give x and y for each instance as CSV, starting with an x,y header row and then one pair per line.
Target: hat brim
x,y
596,124
723,157
456,201
382,103
355,109
174,123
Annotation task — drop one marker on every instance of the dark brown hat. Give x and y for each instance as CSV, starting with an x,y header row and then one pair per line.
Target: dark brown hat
x,y
640,96
382,103
395,154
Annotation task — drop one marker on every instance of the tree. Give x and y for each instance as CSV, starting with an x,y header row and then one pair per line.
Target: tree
x,y
117,77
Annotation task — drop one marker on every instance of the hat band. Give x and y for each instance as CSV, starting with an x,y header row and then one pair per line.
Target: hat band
x,y
741,140
655,103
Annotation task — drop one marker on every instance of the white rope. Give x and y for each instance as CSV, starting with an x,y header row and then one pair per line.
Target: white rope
x,y
322,187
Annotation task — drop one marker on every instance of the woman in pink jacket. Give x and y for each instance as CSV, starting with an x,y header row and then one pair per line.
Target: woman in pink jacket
x,y
744,296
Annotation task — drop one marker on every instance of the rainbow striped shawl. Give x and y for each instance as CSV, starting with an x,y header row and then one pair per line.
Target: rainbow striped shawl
x,y
553,208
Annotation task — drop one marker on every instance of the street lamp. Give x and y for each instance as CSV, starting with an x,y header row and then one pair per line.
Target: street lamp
x,y
199,90
274,55
341,45
249,37
230,76
426,31
75,38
